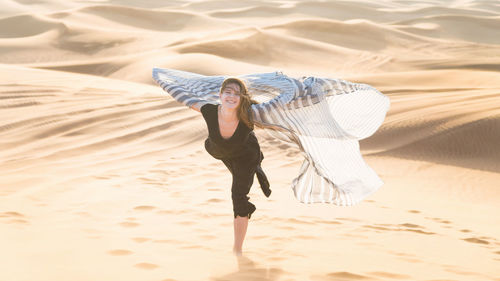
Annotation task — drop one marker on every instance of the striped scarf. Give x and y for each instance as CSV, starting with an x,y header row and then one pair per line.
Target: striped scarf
x,y
324,117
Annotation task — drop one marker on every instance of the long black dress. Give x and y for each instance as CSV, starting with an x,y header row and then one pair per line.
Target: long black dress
x,y
242,156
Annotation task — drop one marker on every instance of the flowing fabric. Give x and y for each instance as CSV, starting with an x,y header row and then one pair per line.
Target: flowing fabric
x,y
324,117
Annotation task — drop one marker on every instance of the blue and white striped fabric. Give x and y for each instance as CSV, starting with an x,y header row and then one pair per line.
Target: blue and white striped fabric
x,y
324,117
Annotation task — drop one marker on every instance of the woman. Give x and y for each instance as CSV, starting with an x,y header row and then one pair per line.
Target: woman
x,y
231,139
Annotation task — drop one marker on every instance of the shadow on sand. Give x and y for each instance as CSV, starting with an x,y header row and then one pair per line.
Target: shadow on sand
x,y
248,270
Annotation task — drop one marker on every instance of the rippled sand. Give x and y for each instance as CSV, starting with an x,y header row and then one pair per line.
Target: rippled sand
x,y
104,176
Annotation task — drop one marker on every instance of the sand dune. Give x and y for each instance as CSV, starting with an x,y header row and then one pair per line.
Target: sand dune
x,y
150,20
104,176
360,34
262,45
479,29
27,25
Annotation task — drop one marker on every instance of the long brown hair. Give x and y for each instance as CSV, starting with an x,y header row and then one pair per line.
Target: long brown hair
x,y
243,111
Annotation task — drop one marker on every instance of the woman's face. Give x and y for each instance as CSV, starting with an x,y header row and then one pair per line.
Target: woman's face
x,y
230,96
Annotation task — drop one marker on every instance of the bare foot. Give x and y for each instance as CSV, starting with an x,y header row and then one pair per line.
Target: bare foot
x,y
237,252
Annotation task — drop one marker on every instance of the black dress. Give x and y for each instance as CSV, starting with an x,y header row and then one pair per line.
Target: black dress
x,y
242,156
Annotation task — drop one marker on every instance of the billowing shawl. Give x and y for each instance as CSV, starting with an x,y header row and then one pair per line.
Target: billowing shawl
x,y
324,117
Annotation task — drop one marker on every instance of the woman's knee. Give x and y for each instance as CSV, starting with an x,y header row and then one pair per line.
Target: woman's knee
x,y
241,205
243,209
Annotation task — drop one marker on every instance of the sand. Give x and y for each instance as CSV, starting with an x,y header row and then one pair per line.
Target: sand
x,y
105,177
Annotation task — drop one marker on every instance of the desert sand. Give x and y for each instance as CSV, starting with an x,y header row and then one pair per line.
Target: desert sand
x,y
104,176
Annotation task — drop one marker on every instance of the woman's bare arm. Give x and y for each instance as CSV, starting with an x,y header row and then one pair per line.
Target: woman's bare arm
x,y
196,106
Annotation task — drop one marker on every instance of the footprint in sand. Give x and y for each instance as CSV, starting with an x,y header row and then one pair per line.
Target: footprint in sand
x,y
141,239
476,240
144,208
341,275
186,222
390,275
446,223
400,227
18,221
207,236
130,222
349,219
172,212
327,222
146,265
145,179
414,228
214,200
15,217
440,220
11,214
298,221
164,172
119,252
305,237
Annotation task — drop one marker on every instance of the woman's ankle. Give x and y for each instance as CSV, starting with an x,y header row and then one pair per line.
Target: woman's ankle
x,y
237,252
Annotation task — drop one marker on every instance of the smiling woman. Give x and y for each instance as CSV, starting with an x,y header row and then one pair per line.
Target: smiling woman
x,y
231,139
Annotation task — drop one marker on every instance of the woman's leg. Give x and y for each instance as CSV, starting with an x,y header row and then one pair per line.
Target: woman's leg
x,y
240,229
240,223
243,171
241,206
